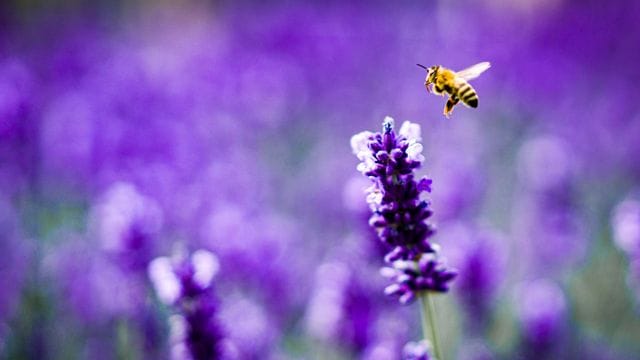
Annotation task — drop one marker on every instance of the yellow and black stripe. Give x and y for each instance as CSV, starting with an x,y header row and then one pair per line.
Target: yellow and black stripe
x,y
468,95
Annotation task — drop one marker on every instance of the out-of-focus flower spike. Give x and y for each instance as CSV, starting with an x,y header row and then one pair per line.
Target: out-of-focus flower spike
x,y
185,283
206,266
164,280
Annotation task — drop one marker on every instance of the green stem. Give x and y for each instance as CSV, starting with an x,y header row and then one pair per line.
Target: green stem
x,y
428,315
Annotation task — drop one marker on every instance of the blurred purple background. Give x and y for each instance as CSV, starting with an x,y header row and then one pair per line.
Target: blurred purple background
x,y
128,129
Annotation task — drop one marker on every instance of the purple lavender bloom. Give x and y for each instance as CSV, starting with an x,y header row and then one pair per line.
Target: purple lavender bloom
x,y
481,256
420,350
15,87
341,309
626,226
389,336
259,252
344,310
185,283
325,309
428,272
368,243
96,290
398,212
541,309
254,331
127,225
457,162
399,215
17,148
546,211
625,222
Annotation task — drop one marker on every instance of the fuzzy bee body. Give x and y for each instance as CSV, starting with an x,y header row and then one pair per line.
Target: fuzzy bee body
x,y
467,94
443,81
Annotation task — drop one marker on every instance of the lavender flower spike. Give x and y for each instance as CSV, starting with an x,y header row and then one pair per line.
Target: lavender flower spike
x,y
400,220
399,214
185,283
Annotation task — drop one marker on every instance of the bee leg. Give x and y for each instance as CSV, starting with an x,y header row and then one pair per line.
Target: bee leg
x,y
448,107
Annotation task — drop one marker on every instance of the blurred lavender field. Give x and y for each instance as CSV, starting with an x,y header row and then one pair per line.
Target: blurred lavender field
x,y
136,130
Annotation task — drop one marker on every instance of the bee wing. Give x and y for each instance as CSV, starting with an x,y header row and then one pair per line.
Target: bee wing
x,y
473,71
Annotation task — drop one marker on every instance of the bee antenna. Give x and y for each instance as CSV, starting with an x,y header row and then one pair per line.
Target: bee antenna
x,y
422,66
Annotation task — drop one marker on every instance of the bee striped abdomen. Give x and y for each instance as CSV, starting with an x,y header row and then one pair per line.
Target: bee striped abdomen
x,y
468,95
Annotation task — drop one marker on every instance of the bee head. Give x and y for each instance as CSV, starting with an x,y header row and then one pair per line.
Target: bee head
x,y
432,72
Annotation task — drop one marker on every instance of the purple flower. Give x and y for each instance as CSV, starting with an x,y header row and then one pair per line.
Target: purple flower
x,y
185,283
67,129
253,331
16,89
625,222
95,289
261,255
345,310
341,309
389,336
399,214
457,161
389,160
481,256
545,152
541,309
427,272
18,150
127,225
420,350
545,218
626,226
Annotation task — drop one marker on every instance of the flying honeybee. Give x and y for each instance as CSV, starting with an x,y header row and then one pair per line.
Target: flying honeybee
x,y
441,80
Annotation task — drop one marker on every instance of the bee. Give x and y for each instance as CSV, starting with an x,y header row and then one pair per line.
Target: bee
x,y
441,80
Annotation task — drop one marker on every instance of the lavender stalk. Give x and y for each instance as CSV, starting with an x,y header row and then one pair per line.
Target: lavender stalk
x,y
400,214
428,316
